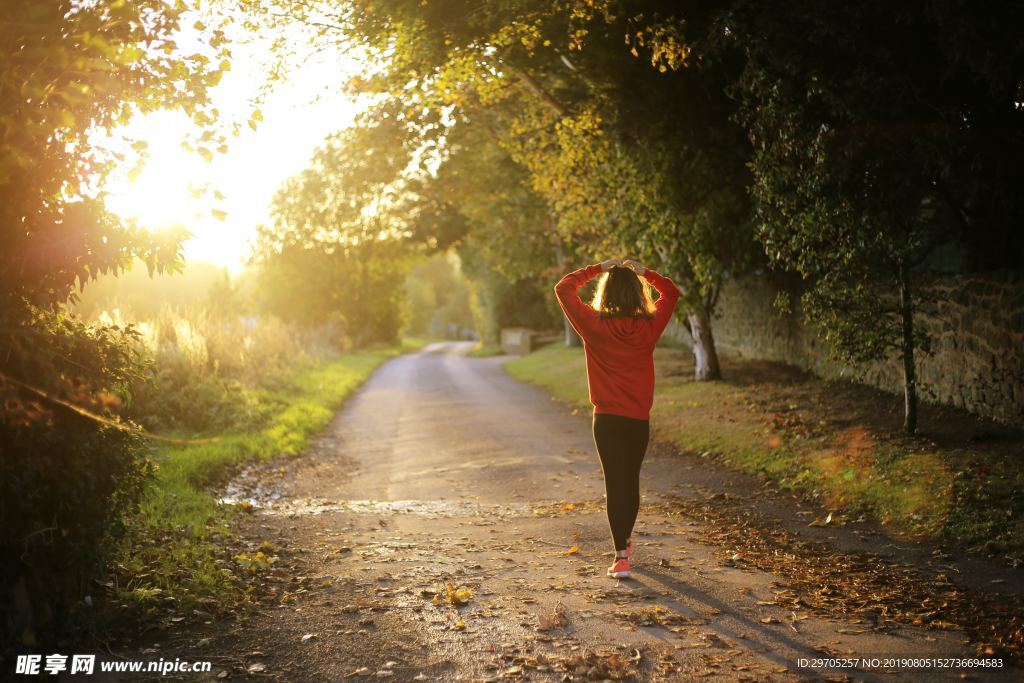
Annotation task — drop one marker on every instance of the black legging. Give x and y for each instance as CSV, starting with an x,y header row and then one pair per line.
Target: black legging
x,y
621,444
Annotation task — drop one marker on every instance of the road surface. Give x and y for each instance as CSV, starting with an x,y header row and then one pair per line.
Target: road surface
x,y
442,469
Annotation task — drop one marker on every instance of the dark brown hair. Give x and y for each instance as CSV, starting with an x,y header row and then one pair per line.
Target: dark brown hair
x,y
622,294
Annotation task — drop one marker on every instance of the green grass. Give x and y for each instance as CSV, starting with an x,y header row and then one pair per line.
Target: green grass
x,y
177,555
481,350
180,497
410,344
826,440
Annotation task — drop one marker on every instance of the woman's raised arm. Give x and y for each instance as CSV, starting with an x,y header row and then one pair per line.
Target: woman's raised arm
x,y
580,315
668,296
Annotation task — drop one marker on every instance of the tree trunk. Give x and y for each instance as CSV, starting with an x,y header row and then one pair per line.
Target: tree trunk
x,y
705,356
571,338
907,351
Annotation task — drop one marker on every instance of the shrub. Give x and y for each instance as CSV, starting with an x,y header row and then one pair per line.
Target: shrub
x,y
64,493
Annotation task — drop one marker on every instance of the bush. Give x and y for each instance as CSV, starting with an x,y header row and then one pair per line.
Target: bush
x,y
64,493
66,480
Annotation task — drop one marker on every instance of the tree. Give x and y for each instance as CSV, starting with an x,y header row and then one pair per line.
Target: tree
x,y
70,70
508,242
438,296
337,251
880,133
597,129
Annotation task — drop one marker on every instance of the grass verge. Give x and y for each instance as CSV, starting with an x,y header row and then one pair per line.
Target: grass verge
x,y
177,560
961,480
481,350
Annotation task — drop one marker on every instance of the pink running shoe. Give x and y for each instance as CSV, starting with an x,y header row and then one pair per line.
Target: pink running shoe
x,y
619,570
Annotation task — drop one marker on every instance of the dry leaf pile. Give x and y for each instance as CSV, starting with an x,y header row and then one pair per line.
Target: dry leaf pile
x,y
598,666
863,586
567,507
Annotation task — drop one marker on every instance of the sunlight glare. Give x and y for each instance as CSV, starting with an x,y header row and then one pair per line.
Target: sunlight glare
x,y
240,184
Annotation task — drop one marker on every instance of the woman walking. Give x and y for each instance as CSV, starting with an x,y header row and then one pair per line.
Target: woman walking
x,y
619,330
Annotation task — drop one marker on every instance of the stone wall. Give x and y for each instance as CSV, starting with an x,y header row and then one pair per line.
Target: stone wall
x,y
976,323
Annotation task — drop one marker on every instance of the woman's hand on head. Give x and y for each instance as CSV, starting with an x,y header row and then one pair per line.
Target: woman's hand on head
x,y
637,268
607,265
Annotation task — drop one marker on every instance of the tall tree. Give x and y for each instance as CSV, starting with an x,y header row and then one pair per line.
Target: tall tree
x,y
69,71
597,128
881,132
509,243
336,250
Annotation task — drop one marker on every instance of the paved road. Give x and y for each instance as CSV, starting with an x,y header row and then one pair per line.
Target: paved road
x,y
444,469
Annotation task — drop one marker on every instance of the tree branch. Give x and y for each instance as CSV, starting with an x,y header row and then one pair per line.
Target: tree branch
x,y
537,90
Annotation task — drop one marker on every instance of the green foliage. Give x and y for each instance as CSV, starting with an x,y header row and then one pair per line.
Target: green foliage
x,y
356,292
65,71
438,296
507,240
336,253
48,347
68,71
65,481
65,490
578,145
644,161
498,301
507,223
878,137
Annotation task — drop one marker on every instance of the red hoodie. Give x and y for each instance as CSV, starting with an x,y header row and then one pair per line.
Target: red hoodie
x,y
619,350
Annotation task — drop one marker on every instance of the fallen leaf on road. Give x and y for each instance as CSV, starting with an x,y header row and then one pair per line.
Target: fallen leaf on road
x,y
822,522
556,619
574,550
450,595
